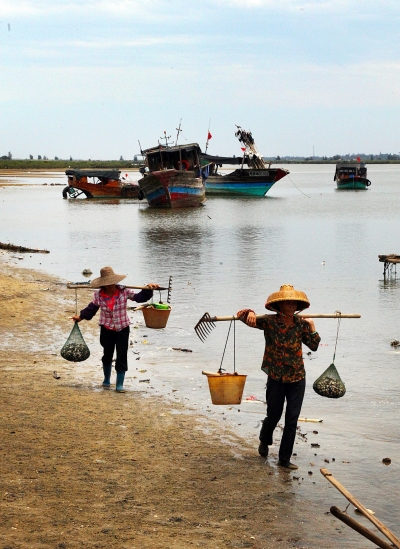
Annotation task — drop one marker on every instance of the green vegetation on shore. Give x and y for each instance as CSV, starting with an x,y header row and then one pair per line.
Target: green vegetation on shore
x,y
62,165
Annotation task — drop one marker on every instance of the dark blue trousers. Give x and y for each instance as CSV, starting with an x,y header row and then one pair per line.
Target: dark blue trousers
x,y
112,341
277,393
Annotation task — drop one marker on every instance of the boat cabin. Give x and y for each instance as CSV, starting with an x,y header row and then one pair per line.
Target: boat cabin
x,y
100,177
179,157
210,163
346,170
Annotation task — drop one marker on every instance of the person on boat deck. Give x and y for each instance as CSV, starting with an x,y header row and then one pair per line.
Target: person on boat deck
x,y
111,299
283,362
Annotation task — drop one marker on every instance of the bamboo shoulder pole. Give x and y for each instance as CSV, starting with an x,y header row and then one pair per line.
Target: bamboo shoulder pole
x,y
303,315
361,508
88,287
359,528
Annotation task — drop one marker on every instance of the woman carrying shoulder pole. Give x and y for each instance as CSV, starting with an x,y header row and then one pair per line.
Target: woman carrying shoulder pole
x,y
111,299
284,335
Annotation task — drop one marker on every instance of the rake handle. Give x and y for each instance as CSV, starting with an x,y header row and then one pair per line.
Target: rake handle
x,y
314,315
87,287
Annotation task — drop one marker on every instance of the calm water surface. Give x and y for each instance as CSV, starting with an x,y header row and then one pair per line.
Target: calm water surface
x,y
232,253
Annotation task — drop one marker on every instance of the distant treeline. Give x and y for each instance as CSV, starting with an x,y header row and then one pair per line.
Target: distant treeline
x,y
329,161
62,165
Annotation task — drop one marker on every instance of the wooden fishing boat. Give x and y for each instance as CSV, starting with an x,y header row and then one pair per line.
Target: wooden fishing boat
x,y
255,179
351,175
243,181
99,184
172,176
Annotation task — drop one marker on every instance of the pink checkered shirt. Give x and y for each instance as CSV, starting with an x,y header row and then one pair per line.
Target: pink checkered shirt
x,y
116,319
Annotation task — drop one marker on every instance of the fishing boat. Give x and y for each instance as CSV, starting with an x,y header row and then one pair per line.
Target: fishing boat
x,y
255,179
99,184
351,175
172,177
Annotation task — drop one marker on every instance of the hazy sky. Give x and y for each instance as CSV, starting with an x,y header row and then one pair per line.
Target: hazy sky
x,y
91,78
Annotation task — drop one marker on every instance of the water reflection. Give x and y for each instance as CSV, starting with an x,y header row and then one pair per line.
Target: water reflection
x,y
174,240
389,283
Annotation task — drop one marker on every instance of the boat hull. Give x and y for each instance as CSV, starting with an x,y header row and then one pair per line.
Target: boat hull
x,y
173,189
112,189
350,184
244,182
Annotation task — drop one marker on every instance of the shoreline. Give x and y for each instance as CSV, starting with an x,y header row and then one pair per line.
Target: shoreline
x,y
87,467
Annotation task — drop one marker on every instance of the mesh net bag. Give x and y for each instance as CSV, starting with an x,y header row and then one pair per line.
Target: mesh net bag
x,y
329,384
75,348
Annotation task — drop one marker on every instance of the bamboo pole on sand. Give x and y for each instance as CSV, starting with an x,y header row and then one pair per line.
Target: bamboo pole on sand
x,y
359,528
381,527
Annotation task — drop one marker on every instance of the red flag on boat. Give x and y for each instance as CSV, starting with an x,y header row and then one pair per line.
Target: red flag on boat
x,y
358,159
243,148
209,136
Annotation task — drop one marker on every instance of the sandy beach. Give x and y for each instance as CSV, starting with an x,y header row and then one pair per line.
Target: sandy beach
x,y
86,467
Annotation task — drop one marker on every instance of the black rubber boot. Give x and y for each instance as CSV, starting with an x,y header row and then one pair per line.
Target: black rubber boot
x,y
263,449
107,376
120,382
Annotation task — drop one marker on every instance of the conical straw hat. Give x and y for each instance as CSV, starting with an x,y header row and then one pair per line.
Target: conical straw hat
x,y
107,277
287,293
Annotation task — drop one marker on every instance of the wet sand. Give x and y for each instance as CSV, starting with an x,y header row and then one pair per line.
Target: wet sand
x,y
86,467
13,178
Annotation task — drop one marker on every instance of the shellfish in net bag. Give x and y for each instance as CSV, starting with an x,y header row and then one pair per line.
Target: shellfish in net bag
x,y
75,348
329,384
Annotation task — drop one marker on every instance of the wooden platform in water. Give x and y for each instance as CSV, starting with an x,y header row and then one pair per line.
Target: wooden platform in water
x,y
389,261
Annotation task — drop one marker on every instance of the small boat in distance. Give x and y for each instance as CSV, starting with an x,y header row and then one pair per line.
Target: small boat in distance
x,y
99,184
351,175
172,176
254,180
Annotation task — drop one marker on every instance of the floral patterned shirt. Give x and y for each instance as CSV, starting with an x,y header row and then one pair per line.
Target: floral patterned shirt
x,y
283,355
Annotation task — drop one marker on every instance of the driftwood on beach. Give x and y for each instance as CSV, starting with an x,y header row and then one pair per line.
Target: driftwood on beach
x,y
21,249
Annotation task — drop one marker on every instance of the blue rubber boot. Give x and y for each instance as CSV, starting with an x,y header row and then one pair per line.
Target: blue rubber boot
x,y
107,376
120,382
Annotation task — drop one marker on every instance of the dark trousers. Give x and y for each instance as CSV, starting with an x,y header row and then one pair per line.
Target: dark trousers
x,y
277,392
111,340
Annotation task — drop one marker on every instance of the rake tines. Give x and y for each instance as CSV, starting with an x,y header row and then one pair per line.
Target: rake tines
x,y
169,290
204,326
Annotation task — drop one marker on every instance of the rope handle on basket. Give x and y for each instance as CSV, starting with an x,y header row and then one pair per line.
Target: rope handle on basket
x,y
234,348
337,335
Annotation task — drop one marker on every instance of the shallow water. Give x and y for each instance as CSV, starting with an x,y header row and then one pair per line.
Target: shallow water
x,y
231,254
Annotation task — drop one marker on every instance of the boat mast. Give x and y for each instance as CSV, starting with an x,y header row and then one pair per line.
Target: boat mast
x,y
166,137
178,129
208,134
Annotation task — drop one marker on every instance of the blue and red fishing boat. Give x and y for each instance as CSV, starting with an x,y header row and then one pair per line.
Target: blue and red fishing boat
x,y
172,176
